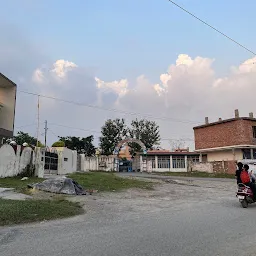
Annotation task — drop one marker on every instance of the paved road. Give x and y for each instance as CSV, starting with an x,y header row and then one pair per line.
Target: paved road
x,y
173,220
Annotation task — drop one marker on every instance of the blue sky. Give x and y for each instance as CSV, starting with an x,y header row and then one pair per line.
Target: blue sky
x,y
127,38
117,39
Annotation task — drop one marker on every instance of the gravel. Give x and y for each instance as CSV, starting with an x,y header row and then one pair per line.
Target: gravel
x,y
180,217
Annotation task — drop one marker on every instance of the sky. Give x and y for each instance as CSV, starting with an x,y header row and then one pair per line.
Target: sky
x,y
146,59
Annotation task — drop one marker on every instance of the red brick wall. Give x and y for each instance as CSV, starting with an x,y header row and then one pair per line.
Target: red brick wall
x,y
237,132
228,167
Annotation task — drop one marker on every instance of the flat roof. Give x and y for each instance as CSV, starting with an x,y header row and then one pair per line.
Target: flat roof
x,y
6,82
166,153
225,121
225,148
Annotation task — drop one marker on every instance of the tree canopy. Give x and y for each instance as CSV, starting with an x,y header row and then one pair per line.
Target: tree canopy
x,y
112,132
116,130
23,137
81,145
146,131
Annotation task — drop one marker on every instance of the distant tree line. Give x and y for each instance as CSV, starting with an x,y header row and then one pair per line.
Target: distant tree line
x,y
112,132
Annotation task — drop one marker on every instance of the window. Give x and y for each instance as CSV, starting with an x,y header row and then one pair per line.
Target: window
x,y
247,153
194,159
254,153
163,162
65,159
178,162
254,132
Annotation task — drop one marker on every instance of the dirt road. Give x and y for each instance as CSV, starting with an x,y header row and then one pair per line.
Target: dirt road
x,y
180,217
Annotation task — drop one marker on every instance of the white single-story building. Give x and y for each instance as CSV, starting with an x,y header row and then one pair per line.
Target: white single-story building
x,y
167,161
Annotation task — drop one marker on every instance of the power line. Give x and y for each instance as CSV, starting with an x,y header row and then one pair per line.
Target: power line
x,y
74,128
23,126
93,131
111,109
207,24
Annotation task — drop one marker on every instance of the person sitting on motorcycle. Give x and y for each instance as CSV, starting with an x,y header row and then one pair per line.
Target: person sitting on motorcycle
x,y
246,179
238,172
253,177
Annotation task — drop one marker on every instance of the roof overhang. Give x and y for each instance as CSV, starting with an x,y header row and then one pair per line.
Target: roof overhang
x,y
225,148
6,82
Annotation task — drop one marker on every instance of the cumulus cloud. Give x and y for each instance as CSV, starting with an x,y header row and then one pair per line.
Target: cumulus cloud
x,y
186,92
190,90
62,67
118,87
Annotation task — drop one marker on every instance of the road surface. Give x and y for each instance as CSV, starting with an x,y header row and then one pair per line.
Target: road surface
x,y
197,217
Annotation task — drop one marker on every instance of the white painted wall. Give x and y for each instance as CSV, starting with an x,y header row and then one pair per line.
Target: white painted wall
x,y
201,167
67,161
11,163
101,163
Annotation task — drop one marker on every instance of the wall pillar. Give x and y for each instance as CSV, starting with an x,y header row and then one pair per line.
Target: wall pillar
x,y
156,162
171,163
186,163
200,158
234,153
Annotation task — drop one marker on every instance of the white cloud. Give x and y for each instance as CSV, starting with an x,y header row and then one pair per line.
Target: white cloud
x,y
61,67
119,87
189,89
38,76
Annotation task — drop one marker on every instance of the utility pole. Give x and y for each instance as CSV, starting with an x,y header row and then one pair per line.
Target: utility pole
x,y
38,119
45,133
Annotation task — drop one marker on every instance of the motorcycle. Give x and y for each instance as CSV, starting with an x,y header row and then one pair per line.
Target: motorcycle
x,y
245,195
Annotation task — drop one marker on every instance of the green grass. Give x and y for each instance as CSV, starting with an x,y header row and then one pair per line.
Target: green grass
x,y
108,181
198,174
18,212
18,184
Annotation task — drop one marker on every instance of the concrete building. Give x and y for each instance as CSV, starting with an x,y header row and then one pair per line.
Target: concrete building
x,y
7,107
167,161
227,140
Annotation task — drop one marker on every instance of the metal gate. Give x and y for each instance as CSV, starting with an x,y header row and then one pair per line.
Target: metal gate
x,y
51,163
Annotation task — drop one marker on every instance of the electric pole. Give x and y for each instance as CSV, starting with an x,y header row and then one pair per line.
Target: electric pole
x,y
38,119
45,133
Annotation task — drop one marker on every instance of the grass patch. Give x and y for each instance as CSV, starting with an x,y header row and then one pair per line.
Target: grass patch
x,y
198,174
18,184
18,212
108,181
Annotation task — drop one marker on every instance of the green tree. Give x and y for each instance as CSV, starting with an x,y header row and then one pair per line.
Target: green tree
x,y
112,132
23,137
58,144
146,131
81,145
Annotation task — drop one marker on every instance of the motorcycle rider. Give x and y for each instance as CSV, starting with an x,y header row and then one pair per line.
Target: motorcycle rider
x,y
247,179
238,172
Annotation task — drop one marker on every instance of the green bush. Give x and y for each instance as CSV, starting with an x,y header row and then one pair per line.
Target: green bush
x,y
58,144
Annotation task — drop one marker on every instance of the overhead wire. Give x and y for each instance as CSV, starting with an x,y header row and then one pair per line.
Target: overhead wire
x,y
212,27
171,119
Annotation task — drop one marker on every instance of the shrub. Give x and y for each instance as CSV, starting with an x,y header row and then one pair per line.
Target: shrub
x,y
58,144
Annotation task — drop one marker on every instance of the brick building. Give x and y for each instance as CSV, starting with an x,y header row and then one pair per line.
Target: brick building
x,y
227,140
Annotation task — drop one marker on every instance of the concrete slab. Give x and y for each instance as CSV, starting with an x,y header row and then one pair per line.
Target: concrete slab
x,y
9,193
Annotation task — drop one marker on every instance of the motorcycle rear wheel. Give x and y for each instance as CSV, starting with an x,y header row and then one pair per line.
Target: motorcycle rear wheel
x,y
244,203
